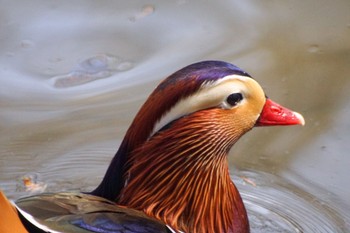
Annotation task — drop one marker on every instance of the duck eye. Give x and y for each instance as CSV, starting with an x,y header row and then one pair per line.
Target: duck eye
x,y
234,99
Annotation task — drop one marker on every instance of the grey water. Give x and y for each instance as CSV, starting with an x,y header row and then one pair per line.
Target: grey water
x,y
73,75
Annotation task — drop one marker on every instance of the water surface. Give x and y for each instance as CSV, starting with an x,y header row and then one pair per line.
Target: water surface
x,y
74,75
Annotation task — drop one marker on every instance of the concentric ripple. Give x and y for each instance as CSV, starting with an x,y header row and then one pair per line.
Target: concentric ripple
x,y
276,205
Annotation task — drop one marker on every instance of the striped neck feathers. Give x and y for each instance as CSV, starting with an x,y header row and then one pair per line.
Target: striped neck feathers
x,y
180,176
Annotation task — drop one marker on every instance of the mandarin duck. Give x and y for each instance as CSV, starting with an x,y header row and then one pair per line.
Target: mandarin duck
x,y
171,172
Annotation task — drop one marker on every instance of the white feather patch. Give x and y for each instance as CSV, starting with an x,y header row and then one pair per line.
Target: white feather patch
x,y
33,221
211,94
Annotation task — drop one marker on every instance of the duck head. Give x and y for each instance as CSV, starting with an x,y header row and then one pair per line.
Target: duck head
x,y
172,163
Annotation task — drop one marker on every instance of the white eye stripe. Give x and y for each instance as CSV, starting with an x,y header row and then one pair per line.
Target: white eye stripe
x,y
228,77
211,94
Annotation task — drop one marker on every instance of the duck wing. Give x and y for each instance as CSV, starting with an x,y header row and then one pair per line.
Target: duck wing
x,y
82,213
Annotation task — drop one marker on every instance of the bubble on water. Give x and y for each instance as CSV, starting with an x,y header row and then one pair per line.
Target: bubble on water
x,y
93,68
314,49
97,63
145,11
26,44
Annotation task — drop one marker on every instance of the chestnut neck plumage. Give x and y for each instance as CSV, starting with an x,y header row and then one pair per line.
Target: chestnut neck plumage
x,y
180,176
177,86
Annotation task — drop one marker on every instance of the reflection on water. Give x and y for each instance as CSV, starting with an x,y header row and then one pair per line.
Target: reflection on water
x,y
73,76
96,67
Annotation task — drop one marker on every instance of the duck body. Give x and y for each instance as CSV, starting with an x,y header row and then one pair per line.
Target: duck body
x,y
171,168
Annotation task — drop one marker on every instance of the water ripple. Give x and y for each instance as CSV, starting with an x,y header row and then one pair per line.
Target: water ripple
x,y
276,205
